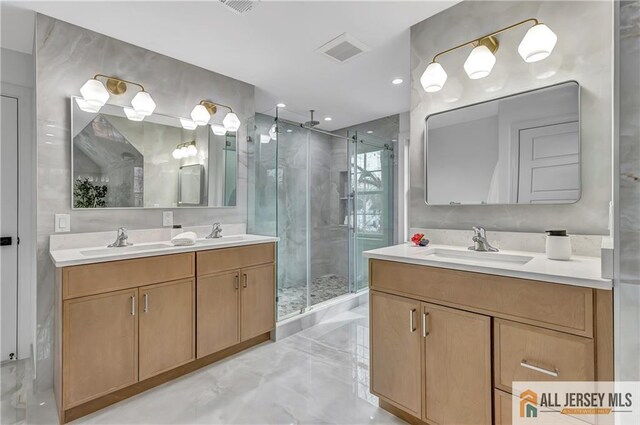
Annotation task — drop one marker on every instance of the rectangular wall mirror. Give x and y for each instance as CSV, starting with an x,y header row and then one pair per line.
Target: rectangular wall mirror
x,y
120,163
520,149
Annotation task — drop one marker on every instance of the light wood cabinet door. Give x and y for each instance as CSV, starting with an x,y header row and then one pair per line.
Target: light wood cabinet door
x,y
257,301
167,326
218,312
100,345
395,351
457,366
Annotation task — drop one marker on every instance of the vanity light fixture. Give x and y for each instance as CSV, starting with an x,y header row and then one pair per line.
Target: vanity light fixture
x,y
537,44
202,112
82,104
185,150
132,114
95,94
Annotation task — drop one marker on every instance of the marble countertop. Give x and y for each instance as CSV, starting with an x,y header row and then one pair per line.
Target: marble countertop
x,y
579,271
100,254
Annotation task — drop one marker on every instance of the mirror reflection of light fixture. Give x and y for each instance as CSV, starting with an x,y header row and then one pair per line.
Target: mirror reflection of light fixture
x,y
265,138
96,94
202,113
273,133
188,124
218,129
185,150
82,104
132,114
537,44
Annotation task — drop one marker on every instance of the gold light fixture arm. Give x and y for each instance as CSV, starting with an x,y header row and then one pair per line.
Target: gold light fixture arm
x,y
117,85
488,40
212,107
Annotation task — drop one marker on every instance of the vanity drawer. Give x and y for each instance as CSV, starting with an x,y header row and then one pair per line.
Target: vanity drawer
x,y
219,260
90,279
554,306
529,353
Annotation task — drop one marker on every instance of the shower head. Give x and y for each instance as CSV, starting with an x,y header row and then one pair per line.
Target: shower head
x,y
311,123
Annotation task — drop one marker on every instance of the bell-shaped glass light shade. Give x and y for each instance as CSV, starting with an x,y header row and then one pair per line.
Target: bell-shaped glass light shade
x,y
479,63
133,115
200,115
218,129
177,154
433,78
82,104
192,150
538,43
94,93
231,122
143,103
187,124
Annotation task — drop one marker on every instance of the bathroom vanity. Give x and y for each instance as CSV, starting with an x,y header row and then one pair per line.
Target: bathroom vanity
x,y
127,320
450,330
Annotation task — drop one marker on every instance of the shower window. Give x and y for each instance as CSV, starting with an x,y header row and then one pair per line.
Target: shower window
x,y
369,208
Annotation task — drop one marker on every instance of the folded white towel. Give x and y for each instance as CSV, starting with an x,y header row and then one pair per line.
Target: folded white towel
x,y
184,239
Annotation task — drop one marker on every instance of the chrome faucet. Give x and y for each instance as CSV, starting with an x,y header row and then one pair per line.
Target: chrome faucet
x,y
480,242
121,239
216,231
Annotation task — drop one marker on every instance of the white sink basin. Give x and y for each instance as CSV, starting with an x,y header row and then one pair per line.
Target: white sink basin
x,y
223,239
130,248
477,257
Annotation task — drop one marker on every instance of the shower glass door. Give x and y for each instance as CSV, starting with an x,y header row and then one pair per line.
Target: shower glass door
x,y
372,192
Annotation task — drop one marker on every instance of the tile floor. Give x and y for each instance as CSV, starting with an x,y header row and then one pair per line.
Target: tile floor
x,y
319,375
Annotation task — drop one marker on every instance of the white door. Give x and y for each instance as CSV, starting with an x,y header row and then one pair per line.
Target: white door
x,y
549,164
9,227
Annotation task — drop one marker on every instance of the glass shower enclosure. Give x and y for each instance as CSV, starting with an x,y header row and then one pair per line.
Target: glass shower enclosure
x,y
328,197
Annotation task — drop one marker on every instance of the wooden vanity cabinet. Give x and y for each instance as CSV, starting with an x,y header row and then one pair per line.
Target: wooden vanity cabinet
x,y
446,345
236,296
125,326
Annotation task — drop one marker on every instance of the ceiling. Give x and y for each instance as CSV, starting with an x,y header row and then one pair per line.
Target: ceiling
x,y
272,47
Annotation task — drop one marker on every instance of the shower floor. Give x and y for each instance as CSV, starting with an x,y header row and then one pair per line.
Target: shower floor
x,y
323,288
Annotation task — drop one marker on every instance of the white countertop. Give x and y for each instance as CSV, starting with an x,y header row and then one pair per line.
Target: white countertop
x,y
101,254
579,271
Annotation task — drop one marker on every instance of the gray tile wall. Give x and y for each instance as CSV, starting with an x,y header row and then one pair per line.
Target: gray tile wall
x,y
583,53
66,56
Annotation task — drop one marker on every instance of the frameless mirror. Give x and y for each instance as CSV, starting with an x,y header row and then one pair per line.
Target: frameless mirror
x,y
520,149
153,163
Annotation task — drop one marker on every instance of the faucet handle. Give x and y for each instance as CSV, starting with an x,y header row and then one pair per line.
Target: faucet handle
x,y
479,231
122,233
217,226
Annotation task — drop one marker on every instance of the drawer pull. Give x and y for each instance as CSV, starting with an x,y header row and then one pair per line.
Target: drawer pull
x,y
412,325
246,278
424,324
555,372
146,303
133,305
237,281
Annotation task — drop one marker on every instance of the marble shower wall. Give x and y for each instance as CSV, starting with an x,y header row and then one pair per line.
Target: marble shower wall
x,y
627,293
66,56
583,53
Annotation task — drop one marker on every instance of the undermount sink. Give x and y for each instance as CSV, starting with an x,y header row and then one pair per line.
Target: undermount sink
x,y
223,239
130,248
477,257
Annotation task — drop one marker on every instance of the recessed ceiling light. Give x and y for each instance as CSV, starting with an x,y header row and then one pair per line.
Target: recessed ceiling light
x,y
370,132
328,118
289,130
281,105
397,81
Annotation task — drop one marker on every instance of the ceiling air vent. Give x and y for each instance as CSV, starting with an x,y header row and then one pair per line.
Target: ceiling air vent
x,y
343,48
240,6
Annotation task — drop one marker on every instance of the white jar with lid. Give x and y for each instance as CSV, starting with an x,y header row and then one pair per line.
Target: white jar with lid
x,y
558,246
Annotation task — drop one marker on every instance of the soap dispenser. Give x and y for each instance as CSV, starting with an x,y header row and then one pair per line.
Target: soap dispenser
x,y
558,246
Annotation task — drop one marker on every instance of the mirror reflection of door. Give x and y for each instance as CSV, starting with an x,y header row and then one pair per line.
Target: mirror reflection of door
x,y
549,164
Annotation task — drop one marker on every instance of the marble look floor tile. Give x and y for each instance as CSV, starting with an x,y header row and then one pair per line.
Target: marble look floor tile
x,y
317,376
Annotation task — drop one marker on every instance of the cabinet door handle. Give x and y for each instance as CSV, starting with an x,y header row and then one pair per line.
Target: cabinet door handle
x,y
424,324
412,325
237,281
146,303
133,305
245,281
555,372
